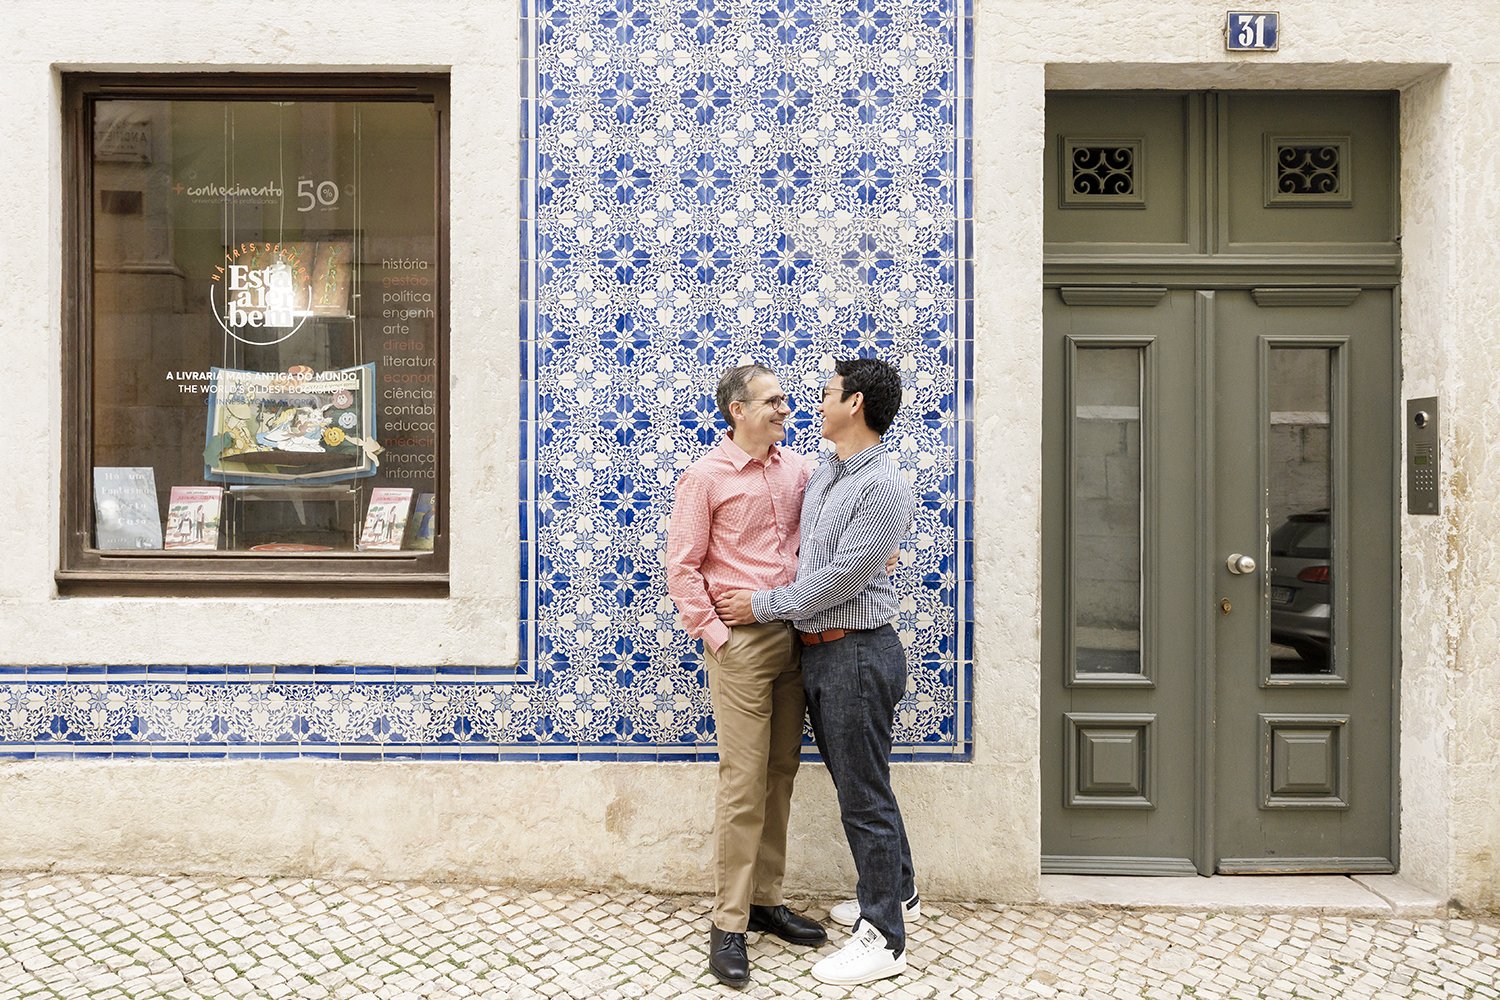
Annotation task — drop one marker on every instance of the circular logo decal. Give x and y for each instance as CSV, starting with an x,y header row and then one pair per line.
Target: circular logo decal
x,y
262,294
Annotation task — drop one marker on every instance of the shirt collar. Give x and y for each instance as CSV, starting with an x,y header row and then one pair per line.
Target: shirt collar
x,y
860,459
739,458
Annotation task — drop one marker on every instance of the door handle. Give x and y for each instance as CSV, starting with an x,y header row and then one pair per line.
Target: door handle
x,y
1239,564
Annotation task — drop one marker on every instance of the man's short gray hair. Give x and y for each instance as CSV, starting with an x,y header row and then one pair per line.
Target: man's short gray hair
x,y
735,385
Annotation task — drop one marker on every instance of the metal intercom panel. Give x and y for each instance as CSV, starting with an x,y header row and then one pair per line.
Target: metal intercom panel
x,y
1422,456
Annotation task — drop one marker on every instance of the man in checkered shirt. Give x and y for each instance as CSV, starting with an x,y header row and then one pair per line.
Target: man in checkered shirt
x,y
857,508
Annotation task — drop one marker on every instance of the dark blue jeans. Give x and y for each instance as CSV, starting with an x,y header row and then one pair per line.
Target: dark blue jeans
x,y
853,685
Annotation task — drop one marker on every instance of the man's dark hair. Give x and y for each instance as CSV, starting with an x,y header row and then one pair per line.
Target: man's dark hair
x,y
881,385
735,385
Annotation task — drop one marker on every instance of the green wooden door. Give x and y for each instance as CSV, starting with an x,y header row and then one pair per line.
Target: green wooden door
x,y
1219,580
1219,336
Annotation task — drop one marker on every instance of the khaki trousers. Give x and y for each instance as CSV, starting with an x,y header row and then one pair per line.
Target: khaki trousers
x,y
755,685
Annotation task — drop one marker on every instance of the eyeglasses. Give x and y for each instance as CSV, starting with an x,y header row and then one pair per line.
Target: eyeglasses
x,y
774,402
843,393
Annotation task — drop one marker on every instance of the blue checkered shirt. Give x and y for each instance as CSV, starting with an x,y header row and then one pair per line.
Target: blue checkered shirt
x,y
854,514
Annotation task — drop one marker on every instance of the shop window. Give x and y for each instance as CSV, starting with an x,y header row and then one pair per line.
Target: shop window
x,y
257,304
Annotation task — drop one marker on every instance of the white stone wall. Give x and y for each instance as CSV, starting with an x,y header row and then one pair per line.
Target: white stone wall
x,y
1471,384
1428,623
974,826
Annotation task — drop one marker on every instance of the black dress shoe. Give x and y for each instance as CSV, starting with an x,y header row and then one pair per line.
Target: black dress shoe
x,y
786,925
727,959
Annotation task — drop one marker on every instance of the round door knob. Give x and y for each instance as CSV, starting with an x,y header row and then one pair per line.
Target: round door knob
x,y
1240,564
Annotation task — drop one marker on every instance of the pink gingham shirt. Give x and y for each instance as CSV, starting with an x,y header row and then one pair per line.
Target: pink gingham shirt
x,y
735,526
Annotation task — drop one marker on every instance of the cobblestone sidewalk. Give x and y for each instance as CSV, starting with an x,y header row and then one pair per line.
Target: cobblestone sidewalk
x,y
111,936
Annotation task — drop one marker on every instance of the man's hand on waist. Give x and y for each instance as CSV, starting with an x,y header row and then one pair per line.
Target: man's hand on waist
x,y
733,607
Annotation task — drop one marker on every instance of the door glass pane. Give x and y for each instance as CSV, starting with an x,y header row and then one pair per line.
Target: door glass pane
x,y
1299,510
1106,543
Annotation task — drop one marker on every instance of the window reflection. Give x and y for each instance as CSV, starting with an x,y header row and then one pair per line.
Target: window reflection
x,y
1299,499
1106,530
265,323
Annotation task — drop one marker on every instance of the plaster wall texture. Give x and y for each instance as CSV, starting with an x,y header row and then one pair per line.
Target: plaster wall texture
x,y
1474,385
550,824
974,826
1428,621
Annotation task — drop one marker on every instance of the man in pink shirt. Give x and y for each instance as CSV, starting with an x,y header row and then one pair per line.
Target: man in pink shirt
x,y
735,525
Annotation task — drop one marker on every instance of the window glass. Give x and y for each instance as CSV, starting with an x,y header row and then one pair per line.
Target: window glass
x,y
1106,544
264,323
1299,500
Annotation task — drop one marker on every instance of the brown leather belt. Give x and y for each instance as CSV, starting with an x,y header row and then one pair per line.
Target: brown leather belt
x,y
827,635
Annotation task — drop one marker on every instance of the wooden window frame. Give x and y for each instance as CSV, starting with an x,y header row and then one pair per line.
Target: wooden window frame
x,y
83,569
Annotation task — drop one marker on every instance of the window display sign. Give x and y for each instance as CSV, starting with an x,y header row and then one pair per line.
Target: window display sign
x,y
259,300
402,284
295,427
263,293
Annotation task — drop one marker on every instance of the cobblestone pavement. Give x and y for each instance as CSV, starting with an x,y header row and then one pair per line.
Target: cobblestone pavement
x,y
111,936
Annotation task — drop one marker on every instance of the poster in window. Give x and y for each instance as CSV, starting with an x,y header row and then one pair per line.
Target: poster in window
x,y
332,277
193,517
291,427
126,515
422,530
385,521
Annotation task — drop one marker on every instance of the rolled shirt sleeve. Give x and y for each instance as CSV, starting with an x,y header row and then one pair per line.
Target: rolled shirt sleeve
x,y
687,544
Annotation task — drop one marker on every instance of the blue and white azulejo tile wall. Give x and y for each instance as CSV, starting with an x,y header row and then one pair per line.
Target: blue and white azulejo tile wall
x,y
705,182
711,182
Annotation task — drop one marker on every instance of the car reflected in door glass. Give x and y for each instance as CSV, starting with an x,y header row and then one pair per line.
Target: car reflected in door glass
x,y
1301,595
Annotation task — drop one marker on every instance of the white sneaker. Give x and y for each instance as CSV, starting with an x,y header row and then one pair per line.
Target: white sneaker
x,y
864,958
847,912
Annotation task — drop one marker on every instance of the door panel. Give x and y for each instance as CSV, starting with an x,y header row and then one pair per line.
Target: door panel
x,y
1117,753
1127,170
1304,660
1309,174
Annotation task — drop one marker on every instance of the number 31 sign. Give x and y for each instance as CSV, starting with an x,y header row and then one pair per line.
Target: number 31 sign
x,y
1252,31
